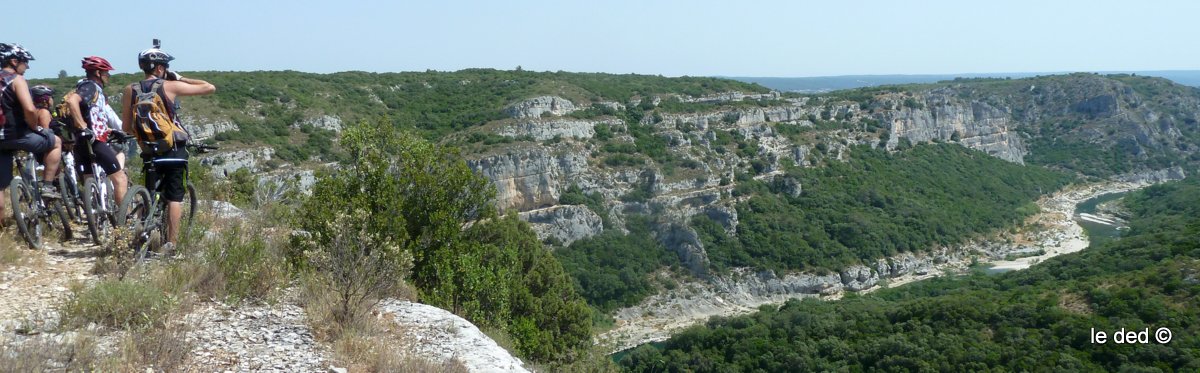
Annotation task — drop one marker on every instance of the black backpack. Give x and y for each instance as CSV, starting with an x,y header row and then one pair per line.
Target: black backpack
x,y
6,78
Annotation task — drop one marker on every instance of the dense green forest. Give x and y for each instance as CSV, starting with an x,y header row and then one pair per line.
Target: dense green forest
x,y
613,269
875,205
1036,319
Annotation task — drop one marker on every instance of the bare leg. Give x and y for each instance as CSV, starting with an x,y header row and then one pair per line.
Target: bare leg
x,y
53,157
174,214
120,182
3,198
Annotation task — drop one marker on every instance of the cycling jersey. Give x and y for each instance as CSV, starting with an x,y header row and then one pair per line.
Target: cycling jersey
x,y
94,108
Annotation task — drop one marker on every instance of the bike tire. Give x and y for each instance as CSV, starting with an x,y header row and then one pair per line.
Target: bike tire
x,y
24,206
68,182
108,212
135,213
56,211
135,207
92,211
140,244
69,202
189,207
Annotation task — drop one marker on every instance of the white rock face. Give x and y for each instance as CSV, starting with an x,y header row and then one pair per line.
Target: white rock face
x,y
548,129
325,122
441,336
1155,176
975,125
528,179
222,209
566,223
202,129
224,164
732,96
534,107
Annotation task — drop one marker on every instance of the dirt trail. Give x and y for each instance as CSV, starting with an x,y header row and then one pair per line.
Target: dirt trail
x,y
33,289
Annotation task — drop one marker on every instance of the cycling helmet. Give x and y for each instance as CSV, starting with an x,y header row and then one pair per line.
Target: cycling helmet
x,y
96,63
9,51
39,91
155,56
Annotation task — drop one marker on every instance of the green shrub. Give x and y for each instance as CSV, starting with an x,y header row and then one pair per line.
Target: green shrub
x,y
117,304
404,197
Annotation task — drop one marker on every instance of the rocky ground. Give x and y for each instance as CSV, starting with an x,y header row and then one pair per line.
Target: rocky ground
x,y
1054,231
255,338
443,336
33,289
215,337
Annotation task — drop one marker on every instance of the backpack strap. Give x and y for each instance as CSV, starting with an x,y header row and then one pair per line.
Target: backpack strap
x,y
7,100
158,88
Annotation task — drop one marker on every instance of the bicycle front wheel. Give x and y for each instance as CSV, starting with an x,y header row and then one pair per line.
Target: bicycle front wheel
x,y
135,213
24,206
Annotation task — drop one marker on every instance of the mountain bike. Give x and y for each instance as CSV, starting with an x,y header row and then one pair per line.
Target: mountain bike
x,y
68,179
145,211
33,213
98,196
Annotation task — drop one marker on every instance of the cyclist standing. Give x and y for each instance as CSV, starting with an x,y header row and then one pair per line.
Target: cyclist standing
x,y
20,130
89,114
149,99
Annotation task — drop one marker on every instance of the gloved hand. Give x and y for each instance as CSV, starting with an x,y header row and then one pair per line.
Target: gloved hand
x,y
87,134
171,75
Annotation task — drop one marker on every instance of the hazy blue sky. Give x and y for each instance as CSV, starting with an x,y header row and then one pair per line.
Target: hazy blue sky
x,y
672,38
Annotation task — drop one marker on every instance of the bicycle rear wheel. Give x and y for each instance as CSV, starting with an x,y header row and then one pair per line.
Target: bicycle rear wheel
x,y
24,206
68,183
189,206
92,210
56,218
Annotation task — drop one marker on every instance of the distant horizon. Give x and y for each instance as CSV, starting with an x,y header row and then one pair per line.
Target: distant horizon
x,y
971,74
767,38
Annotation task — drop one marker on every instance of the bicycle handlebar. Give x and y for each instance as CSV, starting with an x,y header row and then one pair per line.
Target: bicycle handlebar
x,y
202,148
119,137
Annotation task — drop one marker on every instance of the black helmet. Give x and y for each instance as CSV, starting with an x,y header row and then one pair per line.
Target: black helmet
x,y
155,56
9,51
41,91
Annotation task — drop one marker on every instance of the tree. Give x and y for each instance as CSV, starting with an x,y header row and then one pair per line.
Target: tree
x,y
62,74
426,205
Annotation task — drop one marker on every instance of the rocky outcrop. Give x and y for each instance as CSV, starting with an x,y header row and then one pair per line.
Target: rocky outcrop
x,y
542,130
535,107
202,129
1154,176
441,336
565,223
226,163
325,122
530,178
975,125
732,96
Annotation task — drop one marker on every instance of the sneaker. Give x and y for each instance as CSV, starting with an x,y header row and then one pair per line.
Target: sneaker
x,y
167,250
48,191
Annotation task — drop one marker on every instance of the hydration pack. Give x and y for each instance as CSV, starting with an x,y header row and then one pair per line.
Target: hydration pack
x,y
6,78
154,119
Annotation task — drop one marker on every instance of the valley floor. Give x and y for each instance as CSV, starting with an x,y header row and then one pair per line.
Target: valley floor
x,y
1052,232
